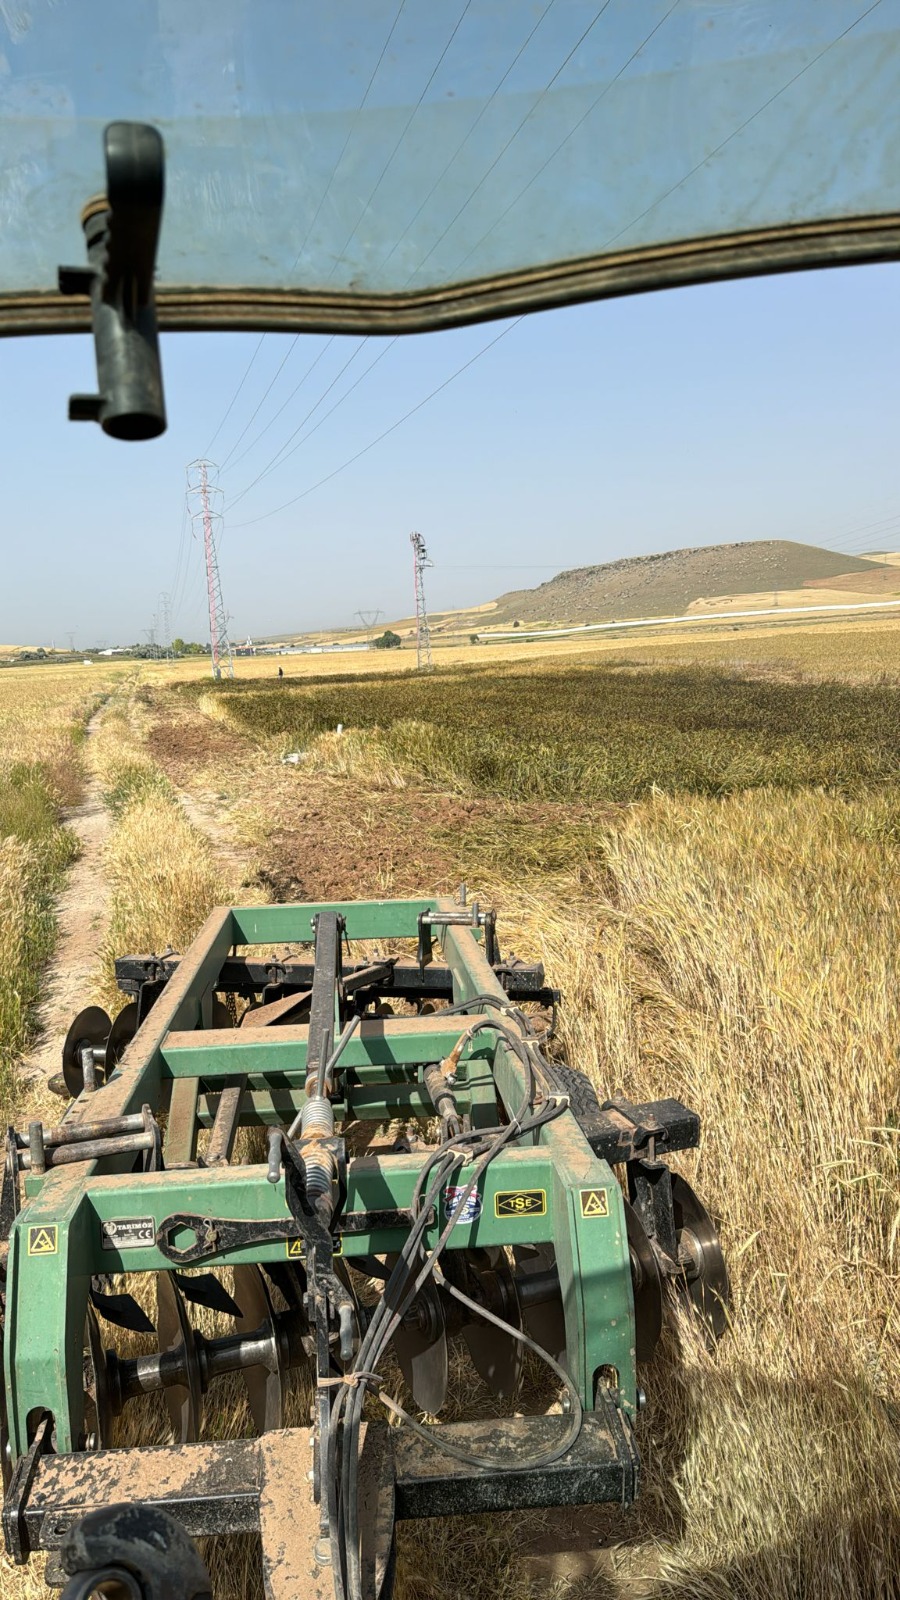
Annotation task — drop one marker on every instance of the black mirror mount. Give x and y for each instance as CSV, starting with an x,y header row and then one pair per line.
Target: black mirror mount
x,y
121,230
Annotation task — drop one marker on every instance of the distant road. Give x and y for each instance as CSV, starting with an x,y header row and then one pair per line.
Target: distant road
x,y
693,616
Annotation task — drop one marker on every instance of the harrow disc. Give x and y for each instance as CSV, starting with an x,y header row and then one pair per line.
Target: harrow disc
x,y
184,1402
266,1383
542,1307
91,1026
121,1033
498,1357
646,1285
420,1345
704,1273
221,1014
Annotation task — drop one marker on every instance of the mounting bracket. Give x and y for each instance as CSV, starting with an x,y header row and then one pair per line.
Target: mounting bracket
x,y
121,229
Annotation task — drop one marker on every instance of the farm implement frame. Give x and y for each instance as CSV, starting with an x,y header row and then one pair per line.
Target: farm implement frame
x,y
495,1216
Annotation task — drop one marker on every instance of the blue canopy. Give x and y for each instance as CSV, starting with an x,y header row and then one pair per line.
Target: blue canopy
x,y
372,165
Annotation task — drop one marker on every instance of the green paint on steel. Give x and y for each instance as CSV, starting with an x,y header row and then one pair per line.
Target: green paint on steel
x,y
292,924
44,1340
282,1051
47,1293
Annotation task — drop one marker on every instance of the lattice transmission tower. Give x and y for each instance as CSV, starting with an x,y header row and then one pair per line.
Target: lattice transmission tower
x,y
421,560
204,500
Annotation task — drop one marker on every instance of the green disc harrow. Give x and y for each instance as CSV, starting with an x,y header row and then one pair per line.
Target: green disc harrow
x,y
424,1174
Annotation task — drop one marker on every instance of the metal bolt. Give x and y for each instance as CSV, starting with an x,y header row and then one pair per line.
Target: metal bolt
x,y
322,1552
640,1400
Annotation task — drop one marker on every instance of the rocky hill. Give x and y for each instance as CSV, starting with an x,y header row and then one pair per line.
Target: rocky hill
x,y
668,584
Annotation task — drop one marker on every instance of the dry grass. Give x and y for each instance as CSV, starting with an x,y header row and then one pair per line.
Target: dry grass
x,y
162,873
162,877
42,719
739,953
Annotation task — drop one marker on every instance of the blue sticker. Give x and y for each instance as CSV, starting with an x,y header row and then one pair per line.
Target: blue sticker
x,y
471,1209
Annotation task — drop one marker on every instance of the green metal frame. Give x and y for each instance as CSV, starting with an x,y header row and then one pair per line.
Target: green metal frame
x,y
47,1291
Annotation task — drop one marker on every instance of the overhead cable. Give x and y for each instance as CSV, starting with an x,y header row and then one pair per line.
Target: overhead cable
x,y
392,429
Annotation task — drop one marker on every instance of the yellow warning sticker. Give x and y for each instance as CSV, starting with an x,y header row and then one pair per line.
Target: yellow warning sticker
x,y
595,1202
294,1248
42,1241
520,1203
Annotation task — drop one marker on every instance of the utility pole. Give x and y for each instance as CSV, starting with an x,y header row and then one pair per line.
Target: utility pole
x,y
421,560
203,498
369,620
71,638
165,607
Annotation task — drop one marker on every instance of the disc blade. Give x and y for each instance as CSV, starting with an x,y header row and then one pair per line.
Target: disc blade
x,y
265,1385
420,1345
122,1310
184,1402
646,1285
91,1026
205,1289
123,1030
497,1356
221,1014
545,1321
705,1275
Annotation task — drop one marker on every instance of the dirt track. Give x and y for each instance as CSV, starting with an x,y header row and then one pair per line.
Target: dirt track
x,y
69,979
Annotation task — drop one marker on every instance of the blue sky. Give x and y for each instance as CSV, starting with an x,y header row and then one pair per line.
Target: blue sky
x,y
762,409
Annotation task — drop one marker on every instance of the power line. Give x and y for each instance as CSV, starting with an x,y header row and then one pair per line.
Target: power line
x,y
340,254
296,390
392,429
282,453
261,403
237,391
322,420
274,461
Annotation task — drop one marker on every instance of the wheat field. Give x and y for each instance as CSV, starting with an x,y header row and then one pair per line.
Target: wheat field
x,y
732,943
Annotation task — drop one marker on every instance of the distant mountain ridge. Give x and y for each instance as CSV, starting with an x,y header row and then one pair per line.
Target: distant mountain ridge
x,y
669,583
